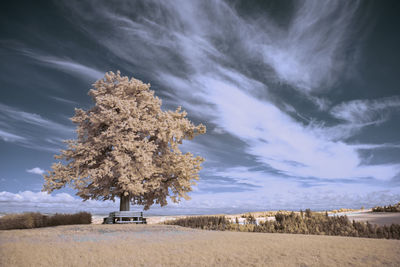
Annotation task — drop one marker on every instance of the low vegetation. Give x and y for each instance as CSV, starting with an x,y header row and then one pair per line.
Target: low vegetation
x,y
304,223
344,210
263,214
202,222
390,208
35,220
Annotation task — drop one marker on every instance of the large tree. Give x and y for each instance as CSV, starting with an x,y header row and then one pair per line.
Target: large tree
x,y
127,147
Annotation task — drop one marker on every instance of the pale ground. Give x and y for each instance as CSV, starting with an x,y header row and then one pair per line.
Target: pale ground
x,y
380,218
162,245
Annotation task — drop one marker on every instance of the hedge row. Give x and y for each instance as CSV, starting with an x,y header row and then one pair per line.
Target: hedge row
x,y
35,219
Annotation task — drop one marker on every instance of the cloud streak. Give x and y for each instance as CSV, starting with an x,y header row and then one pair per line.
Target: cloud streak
x,y
9,137
373,111
73,67
11,113
32,130
64,64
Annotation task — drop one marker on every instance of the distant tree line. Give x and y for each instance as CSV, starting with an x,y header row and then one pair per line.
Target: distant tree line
x,y
304,223
390,208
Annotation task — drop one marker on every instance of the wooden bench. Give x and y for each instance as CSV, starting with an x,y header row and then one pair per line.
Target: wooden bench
x,y
125,217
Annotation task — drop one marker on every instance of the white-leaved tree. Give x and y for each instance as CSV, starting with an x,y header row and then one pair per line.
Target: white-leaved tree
x,y
127,148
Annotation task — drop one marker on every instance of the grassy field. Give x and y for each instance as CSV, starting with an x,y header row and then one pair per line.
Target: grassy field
x,y
162,245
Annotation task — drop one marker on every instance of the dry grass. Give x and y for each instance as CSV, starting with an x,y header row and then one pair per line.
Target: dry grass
x,y
162,245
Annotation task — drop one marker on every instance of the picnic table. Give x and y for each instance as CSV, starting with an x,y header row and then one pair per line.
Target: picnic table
x,y
125,217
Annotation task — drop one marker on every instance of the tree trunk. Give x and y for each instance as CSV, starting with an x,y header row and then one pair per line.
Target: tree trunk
x,y
124,203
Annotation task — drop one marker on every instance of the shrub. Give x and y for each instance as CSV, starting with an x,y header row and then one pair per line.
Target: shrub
x,y
202,222
390,208
66,219
21,221
35,219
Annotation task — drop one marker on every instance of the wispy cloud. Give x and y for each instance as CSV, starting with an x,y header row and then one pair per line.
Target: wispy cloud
x,y
64,64
218,130
372,111
32,130
73,67
312,52
284,144
36,170
10,113
64,100
10,137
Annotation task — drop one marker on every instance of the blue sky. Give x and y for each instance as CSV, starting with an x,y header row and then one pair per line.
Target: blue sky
x,y
301,99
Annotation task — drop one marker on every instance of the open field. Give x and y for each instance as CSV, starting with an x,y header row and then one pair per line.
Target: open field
x,y
162,245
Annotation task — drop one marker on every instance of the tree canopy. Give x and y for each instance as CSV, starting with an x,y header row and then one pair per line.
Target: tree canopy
x,y
127,146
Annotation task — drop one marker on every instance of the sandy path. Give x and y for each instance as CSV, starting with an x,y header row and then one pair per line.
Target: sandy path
x,y
161,245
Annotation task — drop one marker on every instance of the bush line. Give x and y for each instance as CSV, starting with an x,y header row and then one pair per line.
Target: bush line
x,y
303,223
390,208
35,220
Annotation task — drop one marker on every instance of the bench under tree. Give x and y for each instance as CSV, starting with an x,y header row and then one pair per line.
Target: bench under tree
x,y
125,217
